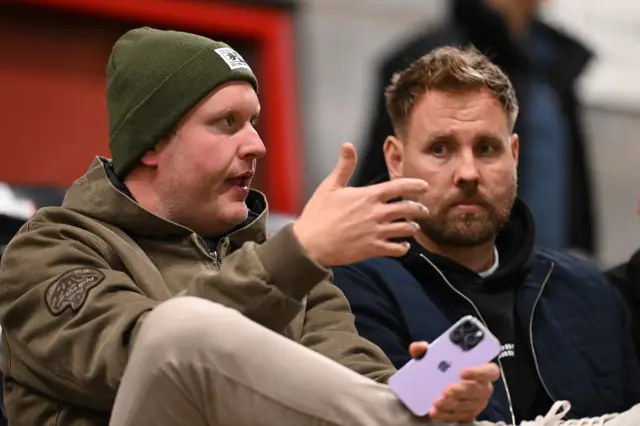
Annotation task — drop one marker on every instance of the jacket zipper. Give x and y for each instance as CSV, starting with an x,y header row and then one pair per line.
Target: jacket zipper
x,y
214,253
533,349
504,379
218,252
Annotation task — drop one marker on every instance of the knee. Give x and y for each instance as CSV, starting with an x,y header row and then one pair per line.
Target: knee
x,y
184,325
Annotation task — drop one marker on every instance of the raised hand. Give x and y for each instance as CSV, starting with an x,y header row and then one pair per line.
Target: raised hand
x,y
341,225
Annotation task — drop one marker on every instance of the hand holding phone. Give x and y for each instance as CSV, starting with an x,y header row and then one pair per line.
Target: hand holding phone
x,y
420,382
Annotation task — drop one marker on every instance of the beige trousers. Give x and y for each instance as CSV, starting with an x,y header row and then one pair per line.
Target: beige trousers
x,y
197,363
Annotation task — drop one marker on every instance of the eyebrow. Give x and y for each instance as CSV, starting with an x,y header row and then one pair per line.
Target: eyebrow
x,y
226,111
488,137
441,137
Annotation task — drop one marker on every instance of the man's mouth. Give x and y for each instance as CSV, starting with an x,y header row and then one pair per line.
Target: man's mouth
x,y
468,205
242,180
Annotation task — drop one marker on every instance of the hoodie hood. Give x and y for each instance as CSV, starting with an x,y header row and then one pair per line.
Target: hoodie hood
x,y
95,195
515,244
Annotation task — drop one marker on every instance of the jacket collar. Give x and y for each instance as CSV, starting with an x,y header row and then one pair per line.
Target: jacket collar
x,y
94,195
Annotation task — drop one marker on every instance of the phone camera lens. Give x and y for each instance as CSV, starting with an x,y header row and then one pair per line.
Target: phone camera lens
x,y
471,340
457,335
469,327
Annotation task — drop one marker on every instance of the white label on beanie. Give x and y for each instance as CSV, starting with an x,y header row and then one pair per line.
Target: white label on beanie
x,y
232,58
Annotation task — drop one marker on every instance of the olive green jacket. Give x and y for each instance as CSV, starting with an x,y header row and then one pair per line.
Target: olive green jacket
x,y
78,280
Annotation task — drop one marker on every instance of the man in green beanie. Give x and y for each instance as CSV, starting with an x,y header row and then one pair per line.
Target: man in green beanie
x,y
152,296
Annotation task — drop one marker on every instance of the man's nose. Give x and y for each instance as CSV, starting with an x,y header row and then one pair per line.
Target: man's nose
x,y
252,146
467,170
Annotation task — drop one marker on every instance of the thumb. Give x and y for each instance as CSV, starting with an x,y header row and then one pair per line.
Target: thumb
x,y
418,349
346,166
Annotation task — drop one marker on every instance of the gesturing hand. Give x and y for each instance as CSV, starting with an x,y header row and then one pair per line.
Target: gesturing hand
x,y
341,225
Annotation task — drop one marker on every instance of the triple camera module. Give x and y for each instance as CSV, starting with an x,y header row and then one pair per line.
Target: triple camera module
x,y
467,335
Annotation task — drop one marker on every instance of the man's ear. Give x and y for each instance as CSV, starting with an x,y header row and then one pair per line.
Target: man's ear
x,y
394,156
150,158
515,147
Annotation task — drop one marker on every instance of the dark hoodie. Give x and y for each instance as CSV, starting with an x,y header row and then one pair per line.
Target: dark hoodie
x,y
567,325
494,298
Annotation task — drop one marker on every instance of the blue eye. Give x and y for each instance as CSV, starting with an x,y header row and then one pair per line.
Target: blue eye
x,y
439,150
486,149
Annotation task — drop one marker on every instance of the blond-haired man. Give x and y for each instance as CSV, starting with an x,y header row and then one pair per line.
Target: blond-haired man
x,y
564,330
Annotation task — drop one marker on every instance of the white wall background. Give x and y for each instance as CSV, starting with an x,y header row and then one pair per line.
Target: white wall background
x,y
341,41
612,29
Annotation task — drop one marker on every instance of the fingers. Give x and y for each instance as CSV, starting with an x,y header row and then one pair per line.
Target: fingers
x,y
453,417
403,210
462,401
418,349
397,188
390,225
483,373
345,167
390,249
465,395
398,230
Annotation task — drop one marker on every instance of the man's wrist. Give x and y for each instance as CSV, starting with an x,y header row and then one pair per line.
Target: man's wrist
x,y
306,243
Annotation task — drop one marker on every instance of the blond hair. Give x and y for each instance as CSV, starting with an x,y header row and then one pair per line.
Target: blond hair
x,y
447,69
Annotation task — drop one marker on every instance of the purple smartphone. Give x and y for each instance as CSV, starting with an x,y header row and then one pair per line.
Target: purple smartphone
x,y
421,381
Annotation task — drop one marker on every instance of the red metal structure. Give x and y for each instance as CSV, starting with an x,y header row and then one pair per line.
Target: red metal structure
x,y
52,82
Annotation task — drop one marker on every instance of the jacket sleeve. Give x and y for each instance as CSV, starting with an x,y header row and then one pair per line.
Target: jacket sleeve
x,y
69,315
329,329
266,282
376,316
619,277
631,358
625,284
619,284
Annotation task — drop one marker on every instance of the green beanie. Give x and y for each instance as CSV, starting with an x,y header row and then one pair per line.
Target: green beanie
x,y
154,78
